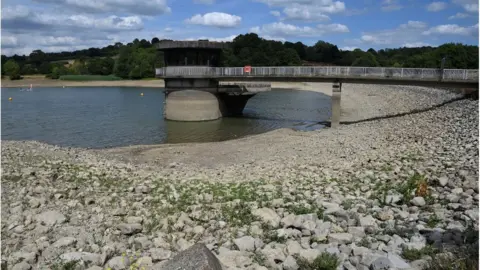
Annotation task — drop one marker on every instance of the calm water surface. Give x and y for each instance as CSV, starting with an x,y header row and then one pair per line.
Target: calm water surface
x,y
119,116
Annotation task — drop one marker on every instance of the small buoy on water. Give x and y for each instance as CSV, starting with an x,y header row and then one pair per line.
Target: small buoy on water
x,y
141,94
10,98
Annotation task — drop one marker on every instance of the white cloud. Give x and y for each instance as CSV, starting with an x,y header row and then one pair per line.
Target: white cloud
x,y
280,29
224,39
391,5
412,34
275,13
436,6
306,10
305,13
348,48
150,7
416,44
459,15
21,18
452,29
468,5
217,19
168,29
9,42
204,2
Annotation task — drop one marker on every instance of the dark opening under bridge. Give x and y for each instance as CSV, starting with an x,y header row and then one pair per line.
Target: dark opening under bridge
x,y
194,91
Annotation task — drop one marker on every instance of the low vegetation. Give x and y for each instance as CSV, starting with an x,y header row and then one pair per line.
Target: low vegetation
x,y
325,261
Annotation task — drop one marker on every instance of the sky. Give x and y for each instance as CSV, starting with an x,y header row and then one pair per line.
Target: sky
x,y
66,25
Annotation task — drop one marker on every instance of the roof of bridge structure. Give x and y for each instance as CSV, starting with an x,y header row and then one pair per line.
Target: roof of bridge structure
x,y
192,44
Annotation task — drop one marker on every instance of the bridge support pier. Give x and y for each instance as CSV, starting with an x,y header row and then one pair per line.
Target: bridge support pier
x,y
197,105
336,109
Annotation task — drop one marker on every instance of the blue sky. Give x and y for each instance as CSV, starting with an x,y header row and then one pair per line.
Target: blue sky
x,y
64,25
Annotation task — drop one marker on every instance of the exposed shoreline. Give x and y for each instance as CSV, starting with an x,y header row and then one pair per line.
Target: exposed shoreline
x,y
266,200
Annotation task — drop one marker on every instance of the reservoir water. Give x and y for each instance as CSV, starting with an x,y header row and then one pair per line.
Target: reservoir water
x,y
100,117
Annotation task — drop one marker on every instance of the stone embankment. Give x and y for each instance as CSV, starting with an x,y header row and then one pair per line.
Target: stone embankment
x,y
398,193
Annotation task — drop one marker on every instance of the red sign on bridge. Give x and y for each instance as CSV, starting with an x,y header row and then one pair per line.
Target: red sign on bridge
x,y
247,69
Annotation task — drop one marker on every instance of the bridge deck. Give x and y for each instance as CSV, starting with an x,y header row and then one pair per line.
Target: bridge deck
x,y
367,75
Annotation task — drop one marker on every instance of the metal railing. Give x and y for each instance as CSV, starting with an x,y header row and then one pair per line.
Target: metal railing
x,y
327,72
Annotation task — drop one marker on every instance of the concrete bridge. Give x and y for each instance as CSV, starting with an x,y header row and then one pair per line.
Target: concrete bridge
x,y
195,90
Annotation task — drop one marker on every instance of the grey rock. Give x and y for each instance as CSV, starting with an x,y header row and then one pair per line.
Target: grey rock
x,y
50,218
398,262
290,264
293,247
274,253
246,243
65,242
357,232
95,268
196,257
309,254
129,229
418,201
119,263
29,257
144,262
267,215
443,181
21,266
160,254
393,199
132,220
341,238
89,258
382,263
367,221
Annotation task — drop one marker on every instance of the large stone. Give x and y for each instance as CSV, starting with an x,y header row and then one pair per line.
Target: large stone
x,y
268,216
381,263
88,258
50,218
119,263
398,262
418,201
290,263
246,243
160,254
443,181
341,238
197,257
129,229
309,254
21,266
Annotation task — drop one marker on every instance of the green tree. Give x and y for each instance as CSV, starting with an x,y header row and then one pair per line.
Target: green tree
x,y
12,69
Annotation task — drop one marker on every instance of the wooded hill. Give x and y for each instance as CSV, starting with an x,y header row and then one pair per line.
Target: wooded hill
x,y
138,59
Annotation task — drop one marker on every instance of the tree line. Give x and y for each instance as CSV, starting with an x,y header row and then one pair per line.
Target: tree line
x,y
138,59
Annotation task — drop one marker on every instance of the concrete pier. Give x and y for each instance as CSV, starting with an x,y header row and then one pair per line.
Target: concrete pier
x,y
336,107
195,95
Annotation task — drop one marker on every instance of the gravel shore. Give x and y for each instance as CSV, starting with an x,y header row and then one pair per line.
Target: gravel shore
x,y
398,193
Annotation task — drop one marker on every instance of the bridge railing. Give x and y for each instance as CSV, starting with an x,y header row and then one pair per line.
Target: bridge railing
x,y
341,72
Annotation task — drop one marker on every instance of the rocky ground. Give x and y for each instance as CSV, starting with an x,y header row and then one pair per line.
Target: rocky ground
x,y
397,193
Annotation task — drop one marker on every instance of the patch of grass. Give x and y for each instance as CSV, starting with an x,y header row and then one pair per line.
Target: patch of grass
x,y
65,265
364,242
412,254
432,221
463,258
300,209
410,186
324,261
238,214
347,204
260,259
89,78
